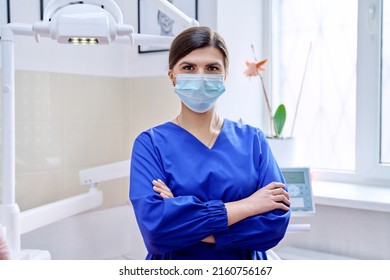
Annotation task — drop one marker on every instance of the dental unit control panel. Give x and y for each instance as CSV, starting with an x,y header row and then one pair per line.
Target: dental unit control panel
x,y
299,187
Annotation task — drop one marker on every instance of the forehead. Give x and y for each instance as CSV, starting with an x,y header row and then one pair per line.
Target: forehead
x,y
203,56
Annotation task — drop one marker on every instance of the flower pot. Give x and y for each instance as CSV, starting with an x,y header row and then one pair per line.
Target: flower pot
x,y
284,151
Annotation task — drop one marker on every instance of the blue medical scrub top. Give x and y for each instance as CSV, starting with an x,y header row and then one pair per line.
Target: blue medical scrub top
x,y
202,179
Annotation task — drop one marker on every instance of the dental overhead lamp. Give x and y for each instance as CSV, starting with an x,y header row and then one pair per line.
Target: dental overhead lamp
x,y
100,22
89,22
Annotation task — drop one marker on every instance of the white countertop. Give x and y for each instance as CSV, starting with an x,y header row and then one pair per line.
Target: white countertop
x,y
374,198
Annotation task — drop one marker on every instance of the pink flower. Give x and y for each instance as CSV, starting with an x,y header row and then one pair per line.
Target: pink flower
x,y
255,68
276,121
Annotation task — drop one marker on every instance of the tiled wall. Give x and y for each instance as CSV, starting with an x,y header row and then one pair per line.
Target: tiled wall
x,y
68,122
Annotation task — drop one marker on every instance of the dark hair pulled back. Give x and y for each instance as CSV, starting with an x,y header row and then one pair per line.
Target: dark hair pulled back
x,y
195,38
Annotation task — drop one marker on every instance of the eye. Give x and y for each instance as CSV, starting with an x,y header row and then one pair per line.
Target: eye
x,y
213,68
188,67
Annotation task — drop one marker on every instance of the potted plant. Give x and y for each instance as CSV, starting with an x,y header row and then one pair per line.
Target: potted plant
x,y
277,120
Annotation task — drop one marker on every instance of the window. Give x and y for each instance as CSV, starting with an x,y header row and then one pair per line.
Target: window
x,y
385,110
339,126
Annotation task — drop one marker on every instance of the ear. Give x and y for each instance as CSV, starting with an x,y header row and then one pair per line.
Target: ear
x,y
170,74
172,77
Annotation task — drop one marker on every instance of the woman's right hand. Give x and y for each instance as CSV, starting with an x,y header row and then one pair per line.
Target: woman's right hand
x,y
271,197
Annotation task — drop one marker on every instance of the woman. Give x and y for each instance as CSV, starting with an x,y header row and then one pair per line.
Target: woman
x,y
203,187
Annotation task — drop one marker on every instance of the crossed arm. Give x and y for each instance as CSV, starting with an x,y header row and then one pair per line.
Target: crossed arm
x,y
271,197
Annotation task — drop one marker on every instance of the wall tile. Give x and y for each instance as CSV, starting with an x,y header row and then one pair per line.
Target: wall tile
x,y
38,188
24,97
68,122
49,145
78,93
80,144
25,156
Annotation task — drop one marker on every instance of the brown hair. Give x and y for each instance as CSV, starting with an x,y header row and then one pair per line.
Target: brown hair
x,y
195,38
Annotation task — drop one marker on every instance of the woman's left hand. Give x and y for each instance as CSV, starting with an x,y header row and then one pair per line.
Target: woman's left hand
x,y
162,189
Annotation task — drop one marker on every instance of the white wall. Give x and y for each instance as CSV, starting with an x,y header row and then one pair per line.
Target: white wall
x,y
53,90
113,60
344,231
107,234
243,97
338,230
241,26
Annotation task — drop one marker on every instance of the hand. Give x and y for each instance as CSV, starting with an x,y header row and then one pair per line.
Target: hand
x,y
162,189
264,200
209,239
271,197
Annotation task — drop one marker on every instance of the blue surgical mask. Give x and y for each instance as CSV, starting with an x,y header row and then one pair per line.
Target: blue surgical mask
x,y
199,92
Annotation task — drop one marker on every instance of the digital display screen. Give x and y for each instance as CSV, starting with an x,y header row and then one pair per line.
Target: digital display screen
x,y
294,177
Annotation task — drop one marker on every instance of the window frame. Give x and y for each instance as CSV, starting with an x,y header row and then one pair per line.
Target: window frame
x,y
368,169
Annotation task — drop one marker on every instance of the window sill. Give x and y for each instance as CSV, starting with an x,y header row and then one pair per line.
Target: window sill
x,y
354,196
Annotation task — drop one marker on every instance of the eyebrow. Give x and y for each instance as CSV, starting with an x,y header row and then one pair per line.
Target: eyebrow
x,y
209,64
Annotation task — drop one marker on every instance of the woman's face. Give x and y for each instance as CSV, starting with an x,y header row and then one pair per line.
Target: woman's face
x,y
208,60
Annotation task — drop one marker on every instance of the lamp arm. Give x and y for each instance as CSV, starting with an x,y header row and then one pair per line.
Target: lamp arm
x,y
9,30
174,13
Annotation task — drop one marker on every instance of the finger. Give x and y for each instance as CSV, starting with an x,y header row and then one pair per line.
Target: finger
x,y
281,191
277,191
163,189
159,181
286,194
282,198
160,184
160,190
163,195
157,190
275,185
282,206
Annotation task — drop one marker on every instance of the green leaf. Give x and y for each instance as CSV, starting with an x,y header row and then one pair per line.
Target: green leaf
x,y
280,119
